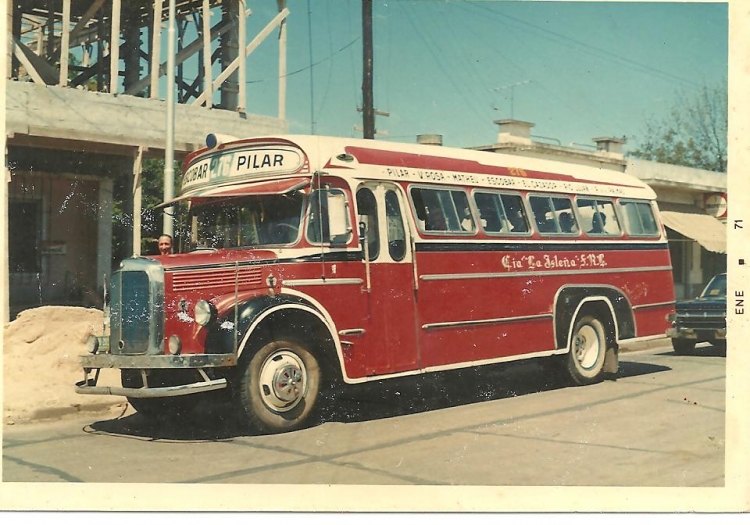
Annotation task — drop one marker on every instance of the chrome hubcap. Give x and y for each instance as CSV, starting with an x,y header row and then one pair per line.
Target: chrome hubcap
x,y
586,346
283,381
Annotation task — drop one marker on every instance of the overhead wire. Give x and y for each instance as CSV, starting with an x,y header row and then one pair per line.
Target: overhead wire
x,y
459,90
587,47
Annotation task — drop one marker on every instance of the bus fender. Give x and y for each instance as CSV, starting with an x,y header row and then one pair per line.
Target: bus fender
x,y
569,299
251,313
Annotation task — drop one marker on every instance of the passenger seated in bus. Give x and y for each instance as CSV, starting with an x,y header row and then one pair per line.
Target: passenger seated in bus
x,y
435,220
598,221
467,222
567,222
517,222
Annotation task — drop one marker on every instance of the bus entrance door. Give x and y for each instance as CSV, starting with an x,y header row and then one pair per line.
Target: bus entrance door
x,y
391,305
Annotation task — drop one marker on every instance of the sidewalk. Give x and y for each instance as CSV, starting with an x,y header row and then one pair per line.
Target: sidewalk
x,y
645,345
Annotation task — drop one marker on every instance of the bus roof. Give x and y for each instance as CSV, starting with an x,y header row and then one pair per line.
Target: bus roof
x,y
415,163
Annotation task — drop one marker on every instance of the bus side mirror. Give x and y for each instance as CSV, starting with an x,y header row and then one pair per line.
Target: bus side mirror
x,y
338,219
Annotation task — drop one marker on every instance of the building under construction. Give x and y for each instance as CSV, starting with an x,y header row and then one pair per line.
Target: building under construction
x,y
86,107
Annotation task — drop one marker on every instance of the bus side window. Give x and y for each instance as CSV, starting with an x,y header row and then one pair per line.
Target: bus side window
x,y
598,216
318,228
639,218
442,210
544,215
395,225
501,213
368,214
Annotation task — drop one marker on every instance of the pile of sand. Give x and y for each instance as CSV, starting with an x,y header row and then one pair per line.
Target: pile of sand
x,y
41,366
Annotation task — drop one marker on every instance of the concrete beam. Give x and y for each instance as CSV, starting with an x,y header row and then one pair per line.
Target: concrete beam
x,y
181,57
248,50
102,119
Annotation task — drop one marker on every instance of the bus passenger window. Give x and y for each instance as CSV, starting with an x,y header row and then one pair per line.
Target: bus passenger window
x,y
598,216
544,215
501,213
396,232
639,218
368,214
442,210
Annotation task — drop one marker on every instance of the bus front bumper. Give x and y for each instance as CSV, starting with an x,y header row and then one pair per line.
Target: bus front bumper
x,y
197,362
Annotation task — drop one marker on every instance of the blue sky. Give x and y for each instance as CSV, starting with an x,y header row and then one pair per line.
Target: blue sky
x,y
581,69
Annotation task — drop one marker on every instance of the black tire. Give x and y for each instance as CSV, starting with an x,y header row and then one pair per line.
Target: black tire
x,y
588,347
279,388
161,408
683,346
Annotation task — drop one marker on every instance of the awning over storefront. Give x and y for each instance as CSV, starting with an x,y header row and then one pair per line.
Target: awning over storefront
x,y
708,231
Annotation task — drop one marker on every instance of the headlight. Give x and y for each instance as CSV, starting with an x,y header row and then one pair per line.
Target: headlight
x,y
203,312
175,345
671,317
92,344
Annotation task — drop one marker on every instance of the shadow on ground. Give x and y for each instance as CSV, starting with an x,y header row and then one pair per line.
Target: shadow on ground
x,y
213,420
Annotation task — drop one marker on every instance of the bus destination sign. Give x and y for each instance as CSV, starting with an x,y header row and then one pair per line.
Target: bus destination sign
x,y
241,165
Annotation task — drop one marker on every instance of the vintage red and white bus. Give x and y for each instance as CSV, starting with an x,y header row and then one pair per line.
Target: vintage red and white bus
x,y
311,261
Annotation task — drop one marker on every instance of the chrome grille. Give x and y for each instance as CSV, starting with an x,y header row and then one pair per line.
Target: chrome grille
x,y
137,308
211,279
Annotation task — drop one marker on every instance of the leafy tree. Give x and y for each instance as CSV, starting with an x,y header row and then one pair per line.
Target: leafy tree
x,y
152,220
694,133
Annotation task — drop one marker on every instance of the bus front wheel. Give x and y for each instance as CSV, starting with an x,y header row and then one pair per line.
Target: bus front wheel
x,y
588,347
279,388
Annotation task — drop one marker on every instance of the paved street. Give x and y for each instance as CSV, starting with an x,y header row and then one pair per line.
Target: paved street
x,y
660,424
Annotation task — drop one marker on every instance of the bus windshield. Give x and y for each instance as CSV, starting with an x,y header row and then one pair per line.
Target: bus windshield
x,y
248,221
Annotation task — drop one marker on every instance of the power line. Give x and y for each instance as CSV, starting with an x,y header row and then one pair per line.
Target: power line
x,y
586,46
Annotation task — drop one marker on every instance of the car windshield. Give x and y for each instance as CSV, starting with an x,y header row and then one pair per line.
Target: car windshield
x,y
717,287
248,221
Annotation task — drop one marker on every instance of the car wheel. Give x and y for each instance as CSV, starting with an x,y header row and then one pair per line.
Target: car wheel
x,y
279,388
683,346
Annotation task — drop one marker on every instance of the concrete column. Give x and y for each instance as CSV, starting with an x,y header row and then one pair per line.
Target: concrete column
x,y
137,200
207,75
156,48
132,52
104,232
228,53
65,44
114,47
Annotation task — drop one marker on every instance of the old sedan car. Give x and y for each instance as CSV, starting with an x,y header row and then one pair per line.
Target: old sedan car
x,y
701,319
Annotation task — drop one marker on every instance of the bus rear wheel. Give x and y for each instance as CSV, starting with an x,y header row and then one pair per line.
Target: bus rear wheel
x,y
588,347
279,388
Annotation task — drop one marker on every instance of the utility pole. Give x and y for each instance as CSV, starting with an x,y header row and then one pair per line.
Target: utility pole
x,y
368,107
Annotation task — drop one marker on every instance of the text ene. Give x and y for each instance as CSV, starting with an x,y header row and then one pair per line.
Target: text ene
x,y
739,303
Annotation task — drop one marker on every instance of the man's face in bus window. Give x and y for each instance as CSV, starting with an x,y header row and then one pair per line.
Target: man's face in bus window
x,y
165,245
